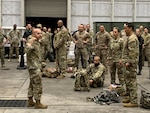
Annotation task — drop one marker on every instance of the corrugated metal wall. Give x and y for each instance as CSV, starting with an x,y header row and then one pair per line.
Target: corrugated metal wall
x,y
109,11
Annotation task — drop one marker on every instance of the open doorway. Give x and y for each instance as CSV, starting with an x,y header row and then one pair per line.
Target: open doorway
x,y
45,21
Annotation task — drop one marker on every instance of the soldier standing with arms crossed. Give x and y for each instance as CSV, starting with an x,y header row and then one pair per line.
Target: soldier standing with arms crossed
x,y
130,60
34,63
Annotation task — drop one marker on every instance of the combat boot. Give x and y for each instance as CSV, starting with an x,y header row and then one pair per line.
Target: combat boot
x,y
130,104
77,89
126,100
139,73
31,103
39,105
9,60
85,89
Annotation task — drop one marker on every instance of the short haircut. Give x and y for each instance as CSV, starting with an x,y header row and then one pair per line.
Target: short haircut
x,y
130,25
146,28
116,28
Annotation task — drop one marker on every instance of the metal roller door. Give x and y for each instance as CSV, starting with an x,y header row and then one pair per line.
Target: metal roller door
x,y
46,8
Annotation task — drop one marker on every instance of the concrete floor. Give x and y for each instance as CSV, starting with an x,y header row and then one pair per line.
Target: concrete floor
x,y
59,95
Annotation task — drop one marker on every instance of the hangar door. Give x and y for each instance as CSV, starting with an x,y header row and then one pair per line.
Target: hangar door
x,y
46,8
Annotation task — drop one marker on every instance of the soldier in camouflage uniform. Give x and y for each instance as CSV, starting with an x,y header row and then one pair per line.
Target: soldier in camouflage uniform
x,y
81,38
130,61
2,49
46,43
14,38
61,50
50,54
93,76
144,35
90,43
34,63
115,56
42,41
102,40
147,48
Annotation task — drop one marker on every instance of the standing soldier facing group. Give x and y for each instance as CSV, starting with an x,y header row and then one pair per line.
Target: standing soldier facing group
x,y
34,63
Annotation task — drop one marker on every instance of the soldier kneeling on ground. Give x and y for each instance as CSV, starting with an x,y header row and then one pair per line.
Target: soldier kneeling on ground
x,y
92,76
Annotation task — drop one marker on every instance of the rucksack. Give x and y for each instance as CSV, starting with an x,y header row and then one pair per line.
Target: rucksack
x,y
50,73
105,97
145,99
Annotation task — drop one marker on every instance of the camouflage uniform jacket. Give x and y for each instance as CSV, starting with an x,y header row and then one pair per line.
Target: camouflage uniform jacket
x,y
131,50
115,49
147,42
102,39
33,56
2,37
90,42
61,40
95,72
14,36
80,37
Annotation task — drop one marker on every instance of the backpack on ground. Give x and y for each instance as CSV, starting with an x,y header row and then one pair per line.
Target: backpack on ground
x,y
105,97
145,99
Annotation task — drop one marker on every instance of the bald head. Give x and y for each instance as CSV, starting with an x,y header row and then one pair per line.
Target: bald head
x,y
96,60
15,26
60,23
37,33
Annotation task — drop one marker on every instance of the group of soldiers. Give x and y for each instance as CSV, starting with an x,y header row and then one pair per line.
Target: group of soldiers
x,y
120,51
114,51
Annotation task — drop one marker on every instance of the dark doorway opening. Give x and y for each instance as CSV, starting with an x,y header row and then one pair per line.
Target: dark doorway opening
x,y
45,21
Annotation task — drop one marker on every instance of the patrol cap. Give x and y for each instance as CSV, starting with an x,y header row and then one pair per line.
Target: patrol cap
x,y
39,25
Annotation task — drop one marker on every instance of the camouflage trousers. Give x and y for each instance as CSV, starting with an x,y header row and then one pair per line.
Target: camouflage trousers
x,y
46,50
35,85
143,56
147,54
42,52
61,62
114,66
98,83
89,50
82,82
11,50
81,52
2,52
131,83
